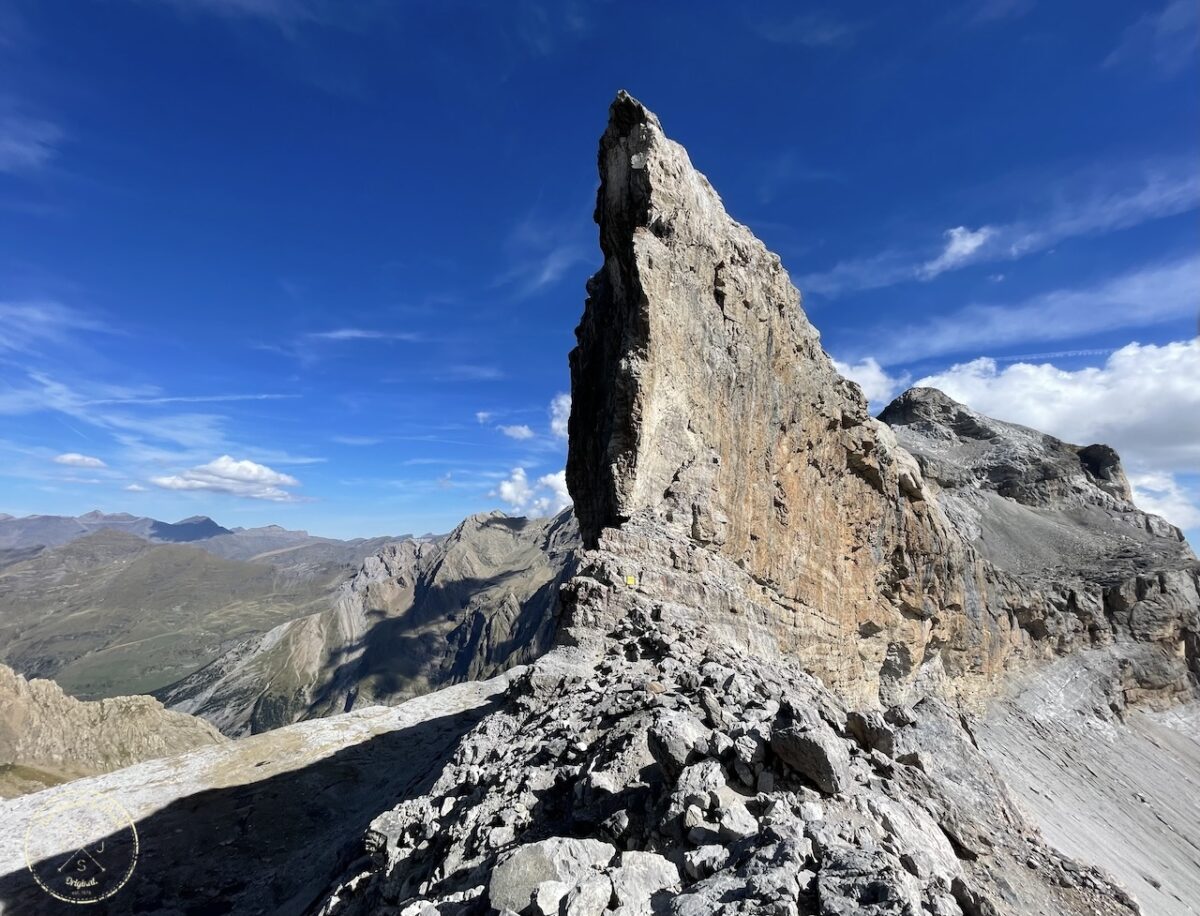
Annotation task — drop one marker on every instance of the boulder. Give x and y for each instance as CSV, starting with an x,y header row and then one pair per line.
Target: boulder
x,y
517,877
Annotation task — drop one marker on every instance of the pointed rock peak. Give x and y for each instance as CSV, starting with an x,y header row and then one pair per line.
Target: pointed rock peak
x,y
694,360
626,113
705,414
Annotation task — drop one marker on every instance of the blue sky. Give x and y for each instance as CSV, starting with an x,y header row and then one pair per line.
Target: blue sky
x,y
319,263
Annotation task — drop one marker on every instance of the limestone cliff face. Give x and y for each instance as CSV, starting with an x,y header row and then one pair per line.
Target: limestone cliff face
x,y
46,735
714,447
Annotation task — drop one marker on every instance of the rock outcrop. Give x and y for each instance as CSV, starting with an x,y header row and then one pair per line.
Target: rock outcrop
x,y
717,455
416,616
47,737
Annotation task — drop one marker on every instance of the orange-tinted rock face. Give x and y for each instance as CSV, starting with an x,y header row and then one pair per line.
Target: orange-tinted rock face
x,y
706,414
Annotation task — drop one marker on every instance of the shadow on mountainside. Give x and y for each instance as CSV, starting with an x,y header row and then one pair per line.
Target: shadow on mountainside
x,y
271,846
443,638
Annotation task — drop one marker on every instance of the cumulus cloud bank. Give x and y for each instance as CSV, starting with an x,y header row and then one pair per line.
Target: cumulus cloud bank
x,y
1144,401
545,496
246,479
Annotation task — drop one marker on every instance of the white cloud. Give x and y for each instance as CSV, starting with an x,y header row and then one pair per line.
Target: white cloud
x,y
483,416
876,383
135,488
237,478
471,372
1137,299
1164,188
517,432
1163,495
961,244
560,414
26,144
547,496
76,460
1167,38
1144,402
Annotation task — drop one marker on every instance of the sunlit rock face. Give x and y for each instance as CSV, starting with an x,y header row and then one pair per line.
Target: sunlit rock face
x,y
715,447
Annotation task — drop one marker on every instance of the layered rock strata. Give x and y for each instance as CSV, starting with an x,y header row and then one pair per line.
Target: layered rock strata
x,y
717,452
763,691
47,736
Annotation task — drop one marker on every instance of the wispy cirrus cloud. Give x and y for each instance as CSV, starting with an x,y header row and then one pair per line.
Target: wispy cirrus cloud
x,y
76,460
24,326
520,432
1164,189
346,334
787,168
132,416
810,29
1167,39
310,347
542,251
470,372
357,441
27,144
1139,298
962,244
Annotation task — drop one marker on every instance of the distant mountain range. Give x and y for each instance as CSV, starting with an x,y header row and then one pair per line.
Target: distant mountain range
x,y
253,628
53,530
109,605
235,543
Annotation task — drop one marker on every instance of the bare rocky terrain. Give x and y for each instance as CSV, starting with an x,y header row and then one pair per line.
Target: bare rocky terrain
x,y
47,737
805,662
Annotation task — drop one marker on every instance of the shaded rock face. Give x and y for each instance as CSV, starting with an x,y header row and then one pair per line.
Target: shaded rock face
x,y
47,736
718,457
416,616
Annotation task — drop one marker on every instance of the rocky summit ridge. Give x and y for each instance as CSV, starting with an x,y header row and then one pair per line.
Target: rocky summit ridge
x,y
786,665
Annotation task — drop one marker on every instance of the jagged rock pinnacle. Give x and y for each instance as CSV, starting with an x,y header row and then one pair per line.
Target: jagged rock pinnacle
x,y
711,434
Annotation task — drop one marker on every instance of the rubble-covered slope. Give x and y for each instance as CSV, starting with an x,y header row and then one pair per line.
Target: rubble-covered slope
x,y
418,615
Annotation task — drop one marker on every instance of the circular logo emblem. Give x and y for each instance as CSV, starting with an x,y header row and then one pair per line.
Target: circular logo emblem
x,y
81,848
